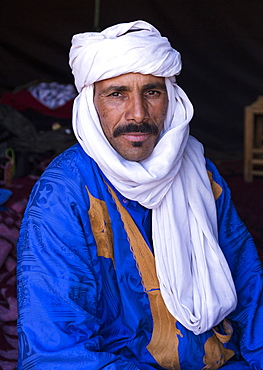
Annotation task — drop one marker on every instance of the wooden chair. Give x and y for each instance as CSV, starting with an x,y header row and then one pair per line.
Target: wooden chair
x,y
253,140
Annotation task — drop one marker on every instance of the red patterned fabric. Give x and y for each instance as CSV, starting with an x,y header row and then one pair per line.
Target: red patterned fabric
x,y
23,99
10,219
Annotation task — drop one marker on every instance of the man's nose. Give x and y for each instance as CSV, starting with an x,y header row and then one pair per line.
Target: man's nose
x,y
137,109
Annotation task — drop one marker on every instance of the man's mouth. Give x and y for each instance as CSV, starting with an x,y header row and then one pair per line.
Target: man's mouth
x,y
136,136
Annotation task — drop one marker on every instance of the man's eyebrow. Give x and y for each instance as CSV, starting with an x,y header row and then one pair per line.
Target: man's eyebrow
x,y
120,88
111,88
155,85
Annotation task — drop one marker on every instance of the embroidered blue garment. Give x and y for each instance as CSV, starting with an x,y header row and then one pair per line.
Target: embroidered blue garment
x,y
83,283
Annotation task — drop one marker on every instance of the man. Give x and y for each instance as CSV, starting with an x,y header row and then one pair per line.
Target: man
x,y
131,254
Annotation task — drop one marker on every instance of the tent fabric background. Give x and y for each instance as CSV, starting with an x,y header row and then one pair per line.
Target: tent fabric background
x,y
221,43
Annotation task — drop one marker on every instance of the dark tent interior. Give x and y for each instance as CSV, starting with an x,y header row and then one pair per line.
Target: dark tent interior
x,y
221,43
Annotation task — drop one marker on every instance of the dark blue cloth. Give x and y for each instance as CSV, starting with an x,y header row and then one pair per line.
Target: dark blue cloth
x,y
82,299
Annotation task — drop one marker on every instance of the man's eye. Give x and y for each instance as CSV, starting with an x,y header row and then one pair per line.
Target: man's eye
x,y
115,94
153,93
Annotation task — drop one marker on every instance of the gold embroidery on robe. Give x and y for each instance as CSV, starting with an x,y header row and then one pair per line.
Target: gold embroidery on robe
x,y
164,342
216,354
217,190
100,225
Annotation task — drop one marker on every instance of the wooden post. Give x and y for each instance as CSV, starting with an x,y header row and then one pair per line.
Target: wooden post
x,y
96,24
253,140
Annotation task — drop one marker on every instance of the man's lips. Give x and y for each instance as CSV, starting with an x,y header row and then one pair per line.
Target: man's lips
x,y
136,136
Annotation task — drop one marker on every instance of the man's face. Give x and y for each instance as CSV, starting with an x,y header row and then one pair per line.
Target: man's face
x,y
132,108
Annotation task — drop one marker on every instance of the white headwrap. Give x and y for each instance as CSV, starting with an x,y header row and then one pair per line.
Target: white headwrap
x,y
195,280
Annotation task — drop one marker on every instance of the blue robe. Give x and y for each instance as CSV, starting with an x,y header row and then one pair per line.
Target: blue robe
x,y
88,294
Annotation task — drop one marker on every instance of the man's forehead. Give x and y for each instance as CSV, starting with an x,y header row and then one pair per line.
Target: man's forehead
x,y
129,79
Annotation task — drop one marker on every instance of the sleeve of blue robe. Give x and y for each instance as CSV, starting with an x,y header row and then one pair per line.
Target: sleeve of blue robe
x,y
246,268
58,282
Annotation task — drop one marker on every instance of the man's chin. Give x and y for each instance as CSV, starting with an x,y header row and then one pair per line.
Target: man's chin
x,y
137,144
136,155
136,150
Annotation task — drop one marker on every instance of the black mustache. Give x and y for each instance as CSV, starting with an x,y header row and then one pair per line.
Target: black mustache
x,y
143,128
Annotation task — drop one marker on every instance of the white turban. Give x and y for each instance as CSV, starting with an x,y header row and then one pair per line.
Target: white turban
x,y
195,280
113,52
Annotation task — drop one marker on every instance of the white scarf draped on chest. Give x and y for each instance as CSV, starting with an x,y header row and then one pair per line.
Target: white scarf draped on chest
x,y
195,280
